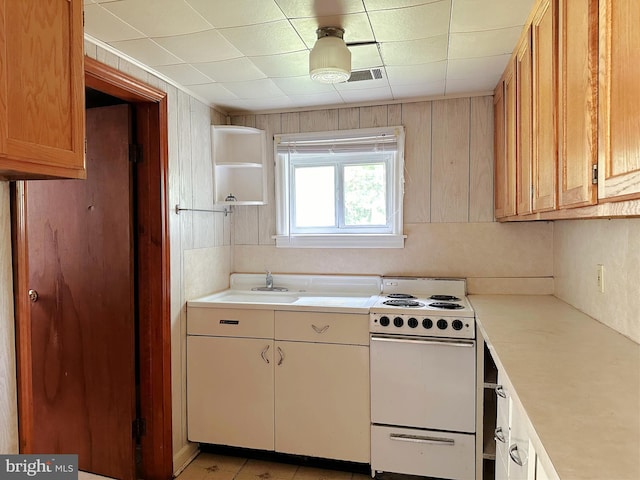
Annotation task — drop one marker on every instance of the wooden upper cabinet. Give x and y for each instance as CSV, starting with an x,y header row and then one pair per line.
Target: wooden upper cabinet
x,y
577,102
544,46
41,89
505,144
619,101
524,93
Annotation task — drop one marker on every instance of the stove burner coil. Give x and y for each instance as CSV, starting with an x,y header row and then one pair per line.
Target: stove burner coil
x,y
401,295
446,298
446,306
403,303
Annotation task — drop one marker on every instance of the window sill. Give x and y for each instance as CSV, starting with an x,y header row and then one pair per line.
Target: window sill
x,y
340,241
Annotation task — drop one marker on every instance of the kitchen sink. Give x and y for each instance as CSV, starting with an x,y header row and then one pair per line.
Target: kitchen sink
x,y
271,297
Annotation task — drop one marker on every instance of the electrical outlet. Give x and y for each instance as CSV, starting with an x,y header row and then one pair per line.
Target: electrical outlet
x,y
601,278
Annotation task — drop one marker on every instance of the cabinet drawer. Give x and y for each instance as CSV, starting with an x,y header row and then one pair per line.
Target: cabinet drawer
x,y
352,329
230,322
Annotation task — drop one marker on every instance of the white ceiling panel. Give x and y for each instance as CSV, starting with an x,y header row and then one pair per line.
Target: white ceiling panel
x,y
253,55
158,18
190,47
103,24
483,44
415,52
235,70
319,8
146,51
283,65
411,23
477,15
264,39
236,13
183,73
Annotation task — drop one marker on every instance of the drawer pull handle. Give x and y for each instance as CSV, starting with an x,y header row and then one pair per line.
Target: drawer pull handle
x,y
500,391
263,354
320,329
281,353
498,435
514,453
401,437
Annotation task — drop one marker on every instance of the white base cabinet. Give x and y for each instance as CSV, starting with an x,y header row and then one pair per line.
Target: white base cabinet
x,y
300,386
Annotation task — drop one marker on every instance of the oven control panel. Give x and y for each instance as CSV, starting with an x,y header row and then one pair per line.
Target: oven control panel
x,y
422,325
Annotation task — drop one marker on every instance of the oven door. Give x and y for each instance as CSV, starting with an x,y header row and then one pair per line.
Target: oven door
x,y
423,382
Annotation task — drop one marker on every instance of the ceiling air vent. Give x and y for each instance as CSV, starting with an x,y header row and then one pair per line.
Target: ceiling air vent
x,y
369,74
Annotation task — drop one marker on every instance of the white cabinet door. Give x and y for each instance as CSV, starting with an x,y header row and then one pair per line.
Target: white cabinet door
x,y
322,400
230,391
502,429
521,466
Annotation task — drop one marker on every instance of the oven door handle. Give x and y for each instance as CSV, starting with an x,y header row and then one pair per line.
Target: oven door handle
x,y
402,437
423,341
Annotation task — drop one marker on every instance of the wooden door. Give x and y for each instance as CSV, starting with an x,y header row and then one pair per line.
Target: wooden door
x,y
577,102
544,107
524,132
230,391
619,104
322,400
41,89
80,262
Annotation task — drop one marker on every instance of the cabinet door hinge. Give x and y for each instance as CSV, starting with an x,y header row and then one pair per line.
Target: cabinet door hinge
x,y
139,427
594,174
135,153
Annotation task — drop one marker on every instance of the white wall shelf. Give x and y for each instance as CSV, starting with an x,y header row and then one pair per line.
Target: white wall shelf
x,y
238,155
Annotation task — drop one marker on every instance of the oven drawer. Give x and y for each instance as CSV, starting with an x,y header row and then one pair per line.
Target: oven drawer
x,y
423,452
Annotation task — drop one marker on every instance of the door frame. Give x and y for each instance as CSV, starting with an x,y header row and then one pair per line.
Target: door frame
x,y
152,228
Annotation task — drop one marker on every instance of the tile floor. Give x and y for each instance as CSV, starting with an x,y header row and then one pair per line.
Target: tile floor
x,y
209,466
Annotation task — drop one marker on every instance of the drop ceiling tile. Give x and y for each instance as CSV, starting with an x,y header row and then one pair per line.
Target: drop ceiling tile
x,y
483,44
102,24
207,46
214,93
327,98
302,86
414,74
362,84
411,23
223,13
264,39
319,8
183,73
356,27
476,15
257,104
283,65
419,90
415,52
381,94
372,5
235,70
146,51
158,18
263,88
477,67
471,85
365,56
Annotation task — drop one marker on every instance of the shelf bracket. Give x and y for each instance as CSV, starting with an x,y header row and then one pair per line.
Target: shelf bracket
x,y
226,211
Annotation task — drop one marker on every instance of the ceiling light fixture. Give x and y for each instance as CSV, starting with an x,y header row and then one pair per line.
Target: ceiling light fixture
x,y
330,59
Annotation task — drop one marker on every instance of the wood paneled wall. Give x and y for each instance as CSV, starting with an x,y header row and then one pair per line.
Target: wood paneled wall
x,y
448,159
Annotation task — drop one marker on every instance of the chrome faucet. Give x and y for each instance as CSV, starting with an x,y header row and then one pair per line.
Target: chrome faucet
x,y
269,280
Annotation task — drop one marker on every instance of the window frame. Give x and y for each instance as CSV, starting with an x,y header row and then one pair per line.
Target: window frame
x,y
357,142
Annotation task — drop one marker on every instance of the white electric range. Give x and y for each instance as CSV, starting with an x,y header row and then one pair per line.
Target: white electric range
x,y
423,379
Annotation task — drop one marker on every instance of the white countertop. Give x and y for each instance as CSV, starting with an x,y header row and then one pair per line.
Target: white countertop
x,y
577,380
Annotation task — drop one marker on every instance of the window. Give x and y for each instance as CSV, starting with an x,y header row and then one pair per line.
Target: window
x,y
340,189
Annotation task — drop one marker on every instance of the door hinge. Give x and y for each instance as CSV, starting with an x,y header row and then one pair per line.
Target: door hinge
x,y
135,153
594,174
139,427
